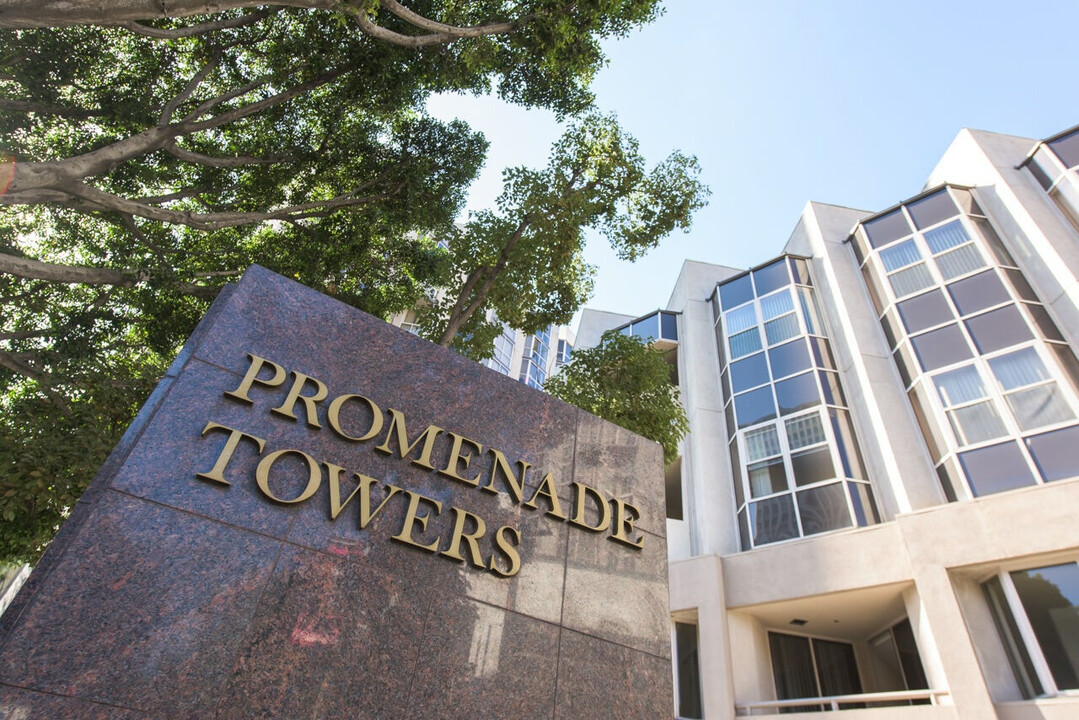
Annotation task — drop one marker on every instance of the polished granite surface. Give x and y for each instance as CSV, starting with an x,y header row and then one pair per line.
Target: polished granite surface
x,y
169,595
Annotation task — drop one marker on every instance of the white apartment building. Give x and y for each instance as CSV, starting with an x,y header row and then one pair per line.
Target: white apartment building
x,y
876,512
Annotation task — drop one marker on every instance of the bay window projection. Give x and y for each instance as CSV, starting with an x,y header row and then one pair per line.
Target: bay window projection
x,y
1055,165
796,465
534,362
988,374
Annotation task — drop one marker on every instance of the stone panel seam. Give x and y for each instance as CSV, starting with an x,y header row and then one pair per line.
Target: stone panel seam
x,y
565,570
74,697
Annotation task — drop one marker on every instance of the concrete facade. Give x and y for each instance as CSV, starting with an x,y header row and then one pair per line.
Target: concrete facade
x,y
935,524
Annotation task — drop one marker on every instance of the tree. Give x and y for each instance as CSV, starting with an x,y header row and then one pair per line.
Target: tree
x,y
525,260
625,381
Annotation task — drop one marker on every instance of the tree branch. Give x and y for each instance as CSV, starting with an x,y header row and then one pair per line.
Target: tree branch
x,y
13,363
423,23
198,29
230,162
30,269
28,106
256,107
192,84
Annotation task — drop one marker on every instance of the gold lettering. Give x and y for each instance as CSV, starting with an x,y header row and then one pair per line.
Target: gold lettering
x,y
252,377
459,534
217,472
623,523
516,485
262,476
508,550
333,415
412,517
288,408
456,457
363,488
397,423
547,490
581,493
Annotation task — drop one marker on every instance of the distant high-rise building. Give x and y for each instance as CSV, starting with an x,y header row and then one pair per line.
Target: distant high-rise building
x,y
876,511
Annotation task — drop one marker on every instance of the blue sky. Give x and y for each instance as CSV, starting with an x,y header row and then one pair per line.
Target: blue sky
x,y
786,101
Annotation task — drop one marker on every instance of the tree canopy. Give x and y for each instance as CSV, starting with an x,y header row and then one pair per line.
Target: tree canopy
x,y
627,382
525,259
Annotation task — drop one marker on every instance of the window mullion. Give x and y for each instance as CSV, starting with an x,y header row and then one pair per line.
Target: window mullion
x,y
1026,631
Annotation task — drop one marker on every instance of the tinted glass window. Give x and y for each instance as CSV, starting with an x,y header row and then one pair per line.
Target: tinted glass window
x,y
941,347
861,497
800,270
998,329
887,228
773,520
978,292
1050,597
925,311
736,292
789,359
750,372
771,277
1056,454
1067,149
995,469
993,241
728,411
946,236
892,331
804,431
670,326
899,256
822,353
960,261
761,443
767,477
647,328
797,393
849,454
911,280
745,343
755,406
904,362
812,466
833,392
775,305
1043,179
1043,322
823,509
1020,285
740,319
933,209
725,380
736,465
781,329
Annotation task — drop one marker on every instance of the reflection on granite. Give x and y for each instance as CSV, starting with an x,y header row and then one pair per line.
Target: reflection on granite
x,y
484,662
149,608
598,679
176,595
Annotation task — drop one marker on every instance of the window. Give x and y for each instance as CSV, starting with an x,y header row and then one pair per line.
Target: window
x,y
805,667
1037,614
689,671
896,663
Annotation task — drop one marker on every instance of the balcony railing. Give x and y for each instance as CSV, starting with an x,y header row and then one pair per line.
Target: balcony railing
x,y
833,702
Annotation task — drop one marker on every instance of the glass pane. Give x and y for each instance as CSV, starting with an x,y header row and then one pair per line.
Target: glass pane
x,y
950,479
938,348
1050,597
810,311
800,270
1039,406
909,281
804,431
998,329
977,423
720,345
966,201
978,292
670,326
946,236
936,208
960,262
762,443
743,530
1043,322
767,477
771,277
789,359
797,393
716,313
850,455
931,431
647,328
1043,175
960,386
745,343
1017,369
755,406
884,661
892,331
728,412
1018,657
749,372
735,292
1054,453
736,464
822,353
792,669
775,305
886,228
823,509
773,520
861,498
1067,149
831,389
781,329
995,469
1019,283
904,362
899,256
812,466
872,281
740,319
909,656
689,671
725,382
925,311
993,241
